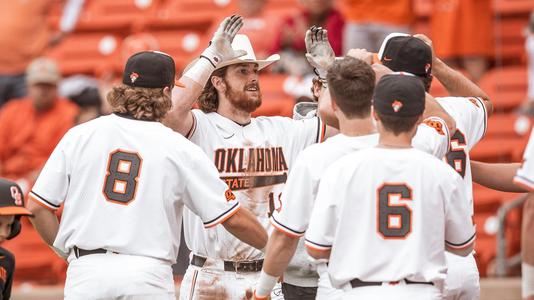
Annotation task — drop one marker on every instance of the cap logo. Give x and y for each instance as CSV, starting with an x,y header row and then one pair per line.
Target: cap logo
x,y
397,105
16,195
427,68
133,77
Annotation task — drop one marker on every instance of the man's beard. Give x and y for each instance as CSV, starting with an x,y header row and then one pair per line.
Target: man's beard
x,y
242,101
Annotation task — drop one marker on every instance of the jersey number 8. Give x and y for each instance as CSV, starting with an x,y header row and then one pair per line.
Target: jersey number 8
x,y
394,220
122,174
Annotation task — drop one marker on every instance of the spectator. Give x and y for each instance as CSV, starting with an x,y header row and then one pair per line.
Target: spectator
x,y
31,127
370,21
290,39
24,34
84,91
462,34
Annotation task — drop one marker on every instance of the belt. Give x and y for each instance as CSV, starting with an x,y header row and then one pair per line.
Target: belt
x,y
356,283
82,252
232,266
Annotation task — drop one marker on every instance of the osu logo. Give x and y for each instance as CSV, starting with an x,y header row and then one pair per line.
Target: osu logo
x,y
397,105
229,195
16,195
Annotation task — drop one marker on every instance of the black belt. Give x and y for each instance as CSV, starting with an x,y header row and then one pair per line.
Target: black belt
x,y
82,252
232,266
356,283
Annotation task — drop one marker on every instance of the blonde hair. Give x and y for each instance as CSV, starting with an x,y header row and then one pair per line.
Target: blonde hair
x,y
208,101
150,104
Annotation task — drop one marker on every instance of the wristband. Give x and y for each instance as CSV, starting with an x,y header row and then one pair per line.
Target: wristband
x,y
201,70
265,285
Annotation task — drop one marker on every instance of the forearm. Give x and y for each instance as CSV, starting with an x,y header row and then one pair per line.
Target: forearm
x,y
319,254
45,222
246,228
456,83
496,176
280,250
433,109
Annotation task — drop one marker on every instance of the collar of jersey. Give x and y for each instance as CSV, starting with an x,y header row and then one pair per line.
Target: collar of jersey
x,y
127,116
227,122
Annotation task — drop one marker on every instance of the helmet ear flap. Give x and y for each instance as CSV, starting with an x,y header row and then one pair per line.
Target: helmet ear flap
x,y
16,227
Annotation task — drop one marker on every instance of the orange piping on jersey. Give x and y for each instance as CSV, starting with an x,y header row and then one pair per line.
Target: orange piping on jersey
x,y
523,183
136,178
256,297
308,245
389,204
283,230
225,217
42,204
323,132
193,127
193,283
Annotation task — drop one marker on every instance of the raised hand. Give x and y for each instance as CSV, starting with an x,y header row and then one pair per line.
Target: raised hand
x,y
220,48
361,54
428,41
319,52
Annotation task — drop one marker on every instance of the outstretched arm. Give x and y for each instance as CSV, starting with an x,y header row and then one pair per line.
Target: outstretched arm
x,y
244,226
195,77
498,177
455,82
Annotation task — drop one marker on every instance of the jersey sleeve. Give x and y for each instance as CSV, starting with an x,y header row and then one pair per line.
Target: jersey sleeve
x,y
525,175
51,187
324,217
199,122
471,112
433,137
459,229
297,199
305,132
207,196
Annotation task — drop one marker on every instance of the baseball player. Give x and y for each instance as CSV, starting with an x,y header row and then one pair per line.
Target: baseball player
x,y
124,180
380,218
11,210
470,108
350,84
518,178
253,156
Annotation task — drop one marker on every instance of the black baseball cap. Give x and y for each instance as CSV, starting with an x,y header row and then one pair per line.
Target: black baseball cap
x,y
399,94
12,199
150,69
404,53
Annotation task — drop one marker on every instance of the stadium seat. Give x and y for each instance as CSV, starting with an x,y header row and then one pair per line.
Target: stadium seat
x,y
506,87
502,149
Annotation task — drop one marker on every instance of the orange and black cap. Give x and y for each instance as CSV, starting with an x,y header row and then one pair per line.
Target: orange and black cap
x,y
12,199
399,94
150,69
405,53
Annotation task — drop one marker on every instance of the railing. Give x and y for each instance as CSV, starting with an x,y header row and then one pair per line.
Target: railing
x,y
503,263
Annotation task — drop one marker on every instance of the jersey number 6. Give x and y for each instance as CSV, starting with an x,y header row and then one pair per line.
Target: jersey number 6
x,y
394,220
121,176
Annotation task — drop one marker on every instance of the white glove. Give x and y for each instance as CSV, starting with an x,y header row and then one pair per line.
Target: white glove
x,y
304,110
220,46
319,54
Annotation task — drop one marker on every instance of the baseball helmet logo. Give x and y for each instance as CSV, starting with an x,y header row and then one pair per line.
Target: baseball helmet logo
x,y
16,195
133,77
397,105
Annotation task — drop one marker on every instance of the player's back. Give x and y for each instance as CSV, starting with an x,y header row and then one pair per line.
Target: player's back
x,y
391,207
126,186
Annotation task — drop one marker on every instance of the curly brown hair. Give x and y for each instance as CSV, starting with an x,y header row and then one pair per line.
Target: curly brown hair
x,y
150,104
208,101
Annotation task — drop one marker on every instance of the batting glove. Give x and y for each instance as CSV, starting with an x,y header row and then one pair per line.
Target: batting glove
x,y
220,46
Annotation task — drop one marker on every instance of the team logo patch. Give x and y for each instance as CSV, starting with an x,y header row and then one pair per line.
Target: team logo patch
x,y
229,195
133,77
474,101
436,125
16,195
397,105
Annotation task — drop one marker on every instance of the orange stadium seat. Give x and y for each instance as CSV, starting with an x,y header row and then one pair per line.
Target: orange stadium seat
x,y
502,149
84,53
275,101
506,87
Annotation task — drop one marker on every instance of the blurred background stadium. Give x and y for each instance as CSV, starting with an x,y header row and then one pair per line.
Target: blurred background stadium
x,y
487,40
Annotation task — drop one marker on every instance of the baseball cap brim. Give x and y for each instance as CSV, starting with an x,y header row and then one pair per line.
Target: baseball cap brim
x,y
15,210
386,40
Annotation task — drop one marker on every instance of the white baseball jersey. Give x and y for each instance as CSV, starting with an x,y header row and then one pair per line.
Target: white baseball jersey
x,y
525,175
254,160
124,184
471,124
386,215
300,191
